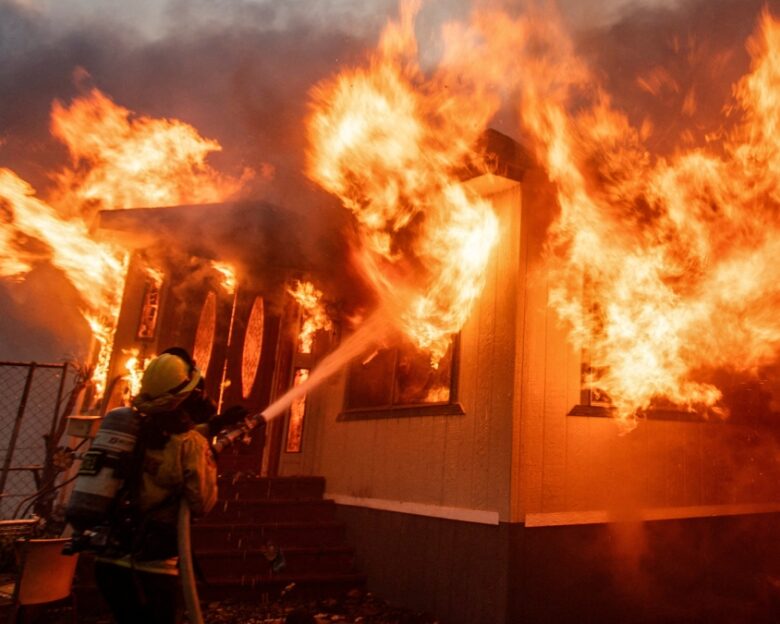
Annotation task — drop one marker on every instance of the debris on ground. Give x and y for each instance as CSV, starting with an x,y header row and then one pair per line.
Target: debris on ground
x,y
355,607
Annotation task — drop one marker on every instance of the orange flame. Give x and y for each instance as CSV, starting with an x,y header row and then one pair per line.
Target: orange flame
x,y
135,369
118,162
228,275
315,318
388,140
134,161
664,268
155,275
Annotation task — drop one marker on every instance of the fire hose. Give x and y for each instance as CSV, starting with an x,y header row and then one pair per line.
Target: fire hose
x,y
186,568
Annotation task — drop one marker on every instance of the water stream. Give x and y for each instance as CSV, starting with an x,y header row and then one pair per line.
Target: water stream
x,y
369,333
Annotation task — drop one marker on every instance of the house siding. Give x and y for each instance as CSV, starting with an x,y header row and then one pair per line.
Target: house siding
x,y
453,461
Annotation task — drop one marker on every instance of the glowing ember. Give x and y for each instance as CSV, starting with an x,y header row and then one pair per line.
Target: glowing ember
x,y
228,275
387,139
314,316
156,276
118,162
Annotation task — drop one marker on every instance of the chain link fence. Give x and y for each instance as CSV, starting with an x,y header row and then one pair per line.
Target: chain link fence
x,y
31,398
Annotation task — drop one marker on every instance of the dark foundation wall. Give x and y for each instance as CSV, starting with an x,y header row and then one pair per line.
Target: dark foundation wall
x,y
720,570
454,570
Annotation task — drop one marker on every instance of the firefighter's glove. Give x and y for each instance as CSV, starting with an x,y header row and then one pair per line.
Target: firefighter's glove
x,y
231,416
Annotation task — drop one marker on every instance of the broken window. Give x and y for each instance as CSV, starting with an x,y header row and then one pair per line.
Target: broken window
x,y
400,377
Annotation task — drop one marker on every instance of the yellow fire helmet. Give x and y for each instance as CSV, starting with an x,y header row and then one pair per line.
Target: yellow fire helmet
x,y
166,382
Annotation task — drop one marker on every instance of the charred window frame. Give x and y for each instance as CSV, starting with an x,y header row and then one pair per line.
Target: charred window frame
x,y
593,401
399,381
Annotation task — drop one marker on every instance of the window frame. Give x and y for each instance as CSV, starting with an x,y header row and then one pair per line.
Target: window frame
x,y
588,408
452,407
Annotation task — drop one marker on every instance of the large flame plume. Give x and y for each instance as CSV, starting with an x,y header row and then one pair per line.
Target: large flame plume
x,y
314,316
675,255
662,266
387,139
118,161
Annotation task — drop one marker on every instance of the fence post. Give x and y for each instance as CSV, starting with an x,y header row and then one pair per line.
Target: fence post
x,y
58,404
17,425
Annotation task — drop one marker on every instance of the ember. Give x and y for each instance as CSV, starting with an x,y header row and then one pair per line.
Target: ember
x,y
134,365
228,282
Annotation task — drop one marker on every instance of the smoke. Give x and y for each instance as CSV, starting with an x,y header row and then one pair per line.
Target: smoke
x,y
672,69
240,72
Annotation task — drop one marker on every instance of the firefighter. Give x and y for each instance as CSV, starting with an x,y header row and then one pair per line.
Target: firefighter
x,y
172,460
199,406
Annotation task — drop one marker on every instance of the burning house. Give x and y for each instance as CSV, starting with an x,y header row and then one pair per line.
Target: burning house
x,y
248,317
494,486
538,379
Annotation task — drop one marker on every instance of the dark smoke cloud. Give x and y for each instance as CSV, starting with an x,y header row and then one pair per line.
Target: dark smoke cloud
x,y
675,67
239,72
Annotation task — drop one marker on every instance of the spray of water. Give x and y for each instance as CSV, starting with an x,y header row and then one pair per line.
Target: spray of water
x,y
370,332
373,330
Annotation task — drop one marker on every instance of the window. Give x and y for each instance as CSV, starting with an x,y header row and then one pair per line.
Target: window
x,y
297,413
150,310
253,347
400,381
204,335
594,401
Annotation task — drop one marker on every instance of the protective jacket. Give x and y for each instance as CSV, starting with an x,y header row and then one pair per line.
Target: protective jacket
x,y
184,466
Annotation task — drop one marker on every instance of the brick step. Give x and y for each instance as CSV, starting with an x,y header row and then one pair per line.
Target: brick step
x,y
251,534
252,487
263,588
228,563
271,510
